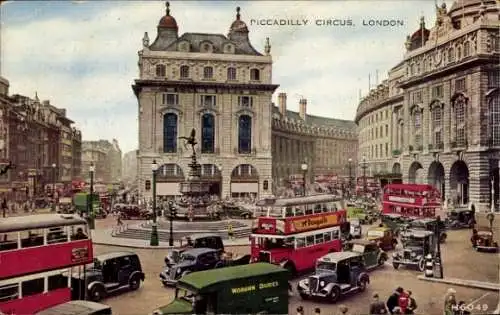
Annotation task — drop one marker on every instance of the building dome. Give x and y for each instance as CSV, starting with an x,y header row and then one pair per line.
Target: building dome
x,y
238,25
168,21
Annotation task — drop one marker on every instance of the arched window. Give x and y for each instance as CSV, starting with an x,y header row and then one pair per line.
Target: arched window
x,y
244,134
495,120
466,49
437,121
208,72
451,55
231,74
254,75
207,133
170,133
459,53
184,72
161,71
460,121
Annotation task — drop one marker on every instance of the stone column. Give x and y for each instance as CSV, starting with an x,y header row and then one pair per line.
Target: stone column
x,y
479,181
226,182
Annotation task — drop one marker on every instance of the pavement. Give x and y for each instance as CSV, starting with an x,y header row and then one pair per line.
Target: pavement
x,y
464,283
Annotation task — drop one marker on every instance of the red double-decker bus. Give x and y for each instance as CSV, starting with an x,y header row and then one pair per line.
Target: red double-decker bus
x,y
411,200
37,253
294,232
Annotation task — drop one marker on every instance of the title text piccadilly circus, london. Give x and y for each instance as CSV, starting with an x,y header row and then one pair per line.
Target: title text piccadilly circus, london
x,y
327,22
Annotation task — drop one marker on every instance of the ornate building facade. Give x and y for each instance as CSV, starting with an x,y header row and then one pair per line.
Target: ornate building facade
x,y
219,85
38,139
324,144
446,127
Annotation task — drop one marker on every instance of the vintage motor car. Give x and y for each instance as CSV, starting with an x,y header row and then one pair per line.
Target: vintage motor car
x,y
394,221
112,272
482,240
199,259
336,275
356,229
383,236
131,211
460,218
196,241
416,245
429,224
373,256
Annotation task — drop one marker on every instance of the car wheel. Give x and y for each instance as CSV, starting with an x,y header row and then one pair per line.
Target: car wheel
x,y
395,265
362,285
421,265
97,294
135,283
304,296
334,294
381,261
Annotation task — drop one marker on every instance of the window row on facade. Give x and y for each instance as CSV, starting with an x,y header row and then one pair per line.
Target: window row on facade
x,y
376,151
205,100
374,133
208,125
185,72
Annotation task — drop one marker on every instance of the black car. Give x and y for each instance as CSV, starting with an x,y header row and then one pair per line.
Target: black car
x,y
112,272
196,259
198,241
429,224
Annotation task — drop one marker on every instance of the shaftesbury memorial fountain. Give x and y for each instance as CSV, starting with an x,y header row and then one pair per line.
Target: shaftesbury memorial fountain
x,y
193,186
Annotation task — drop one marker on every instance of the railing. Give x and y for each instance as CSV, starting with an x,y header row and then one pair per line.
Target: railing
x,y
117,229
458,144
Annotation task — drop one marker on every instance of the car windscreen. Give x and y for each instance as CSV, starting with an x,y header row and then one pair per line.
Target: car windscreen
x,y
326,265
187,257
413,242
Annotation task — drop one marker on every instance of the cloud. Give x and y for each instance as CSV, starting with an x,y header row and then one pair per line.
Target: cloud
x,y
82,55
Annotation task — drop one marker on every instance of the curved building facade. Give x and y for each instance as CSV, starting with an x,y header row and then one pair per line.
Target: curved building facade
x,y
442,107
325,144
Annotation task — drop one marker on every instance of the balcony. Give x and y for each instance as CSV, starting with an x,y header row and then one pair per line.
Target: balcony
x,y
490,142
458,145
253,152
396,153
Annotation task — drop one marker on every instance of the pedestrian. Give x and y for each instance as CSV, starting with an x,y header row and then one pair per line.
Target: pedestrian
x,y
393,300
450,302
377,307
300,310
317,311
412,304
403,302
230,232
343,309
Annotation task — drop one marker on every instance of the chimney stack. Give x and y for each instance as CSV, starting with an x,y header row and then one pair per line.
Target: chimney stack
x,y
282,103
303,108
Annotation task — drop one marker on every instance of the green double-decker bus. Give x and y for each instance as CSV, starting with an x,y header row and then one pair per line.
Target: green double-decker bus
x,y
258,288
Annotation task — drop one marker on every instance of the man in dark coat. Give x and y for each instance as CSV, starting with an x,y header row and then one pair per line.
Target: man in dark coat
x,y
393,300
377,307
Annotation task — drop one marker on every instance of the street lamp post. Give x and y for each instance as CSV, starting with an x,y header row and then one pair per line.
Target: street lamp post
x,y
154,229
304,173
364,166
350,176
54,186
438,261
90,212
492,206
171,214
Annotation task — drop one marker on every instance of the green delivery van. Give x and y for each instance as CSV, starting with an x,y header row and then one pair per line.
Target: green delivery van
x,y
259,288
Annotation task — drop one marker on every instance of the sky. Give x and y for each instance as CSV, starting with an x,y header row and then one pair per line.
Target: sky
x,y
82,55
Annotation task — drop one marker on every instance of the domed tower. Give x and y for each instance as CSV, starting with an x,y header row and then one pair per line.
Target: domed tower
x,y
238,32
168,31
419,38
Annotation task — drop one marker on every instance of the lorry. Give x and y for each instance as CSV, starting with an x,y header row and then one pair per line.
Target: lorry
x,y
81,201
258,288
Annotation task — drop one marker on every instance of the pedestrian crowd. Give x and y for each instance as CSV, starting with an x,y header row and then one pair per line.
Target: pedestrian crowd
x,y
401,302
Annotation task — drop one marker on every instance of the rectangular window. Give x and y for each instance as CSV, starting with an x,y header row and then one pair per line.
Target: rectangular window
x,y
170,99
32,287
208,100
57,282
461,136
417,97
460,84
386,130
9,292
437,91
310,240
493,79
387,149
437,138
319,238
327,236
245,101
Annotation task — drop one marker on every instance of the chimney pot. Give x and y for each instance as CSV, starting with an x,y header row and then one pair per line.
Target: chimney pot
x,y
303,108
282,103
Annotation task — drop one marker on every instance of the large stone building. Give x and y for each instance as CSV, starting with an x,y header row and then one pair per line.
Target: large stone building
x,y
219,85
107,159
38,139
129,167
442,104
324,144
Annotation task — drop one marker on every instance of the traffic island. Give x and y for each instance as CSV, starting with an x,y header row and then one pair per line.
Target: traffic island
x,y
464,283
